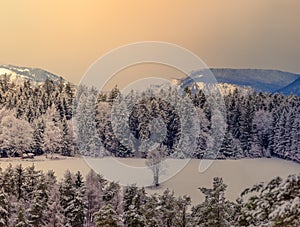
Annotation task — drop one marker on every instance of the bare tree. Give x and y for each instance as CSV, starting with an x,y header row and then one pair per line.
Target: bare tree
x,y
155,163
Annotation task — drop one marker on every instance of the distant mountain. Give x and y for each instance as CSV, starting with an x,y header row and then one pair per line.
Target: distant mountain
x,y
293,88
228,79
257,79
19,74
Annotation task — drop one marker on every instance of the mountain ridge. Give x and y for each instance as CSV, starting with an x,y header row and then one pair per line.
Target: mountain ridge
x,y
264,80
18,74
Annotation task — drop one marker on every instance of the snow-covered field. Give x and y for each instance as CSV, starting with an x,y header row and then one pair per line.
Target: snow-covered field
x,y
237,174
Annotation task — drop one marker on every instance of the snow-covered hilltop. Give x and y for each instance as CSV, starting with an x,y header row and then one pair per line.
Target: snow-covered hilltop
x,y
224,88
18,74
245,80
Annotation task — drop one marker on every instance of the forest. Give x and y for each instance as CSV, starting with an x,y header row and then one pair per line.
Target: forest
x,y
58,117
29,197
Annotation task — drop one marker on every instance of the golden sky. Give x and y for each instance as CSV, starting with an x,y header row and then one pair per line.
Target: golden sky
x,y
65,37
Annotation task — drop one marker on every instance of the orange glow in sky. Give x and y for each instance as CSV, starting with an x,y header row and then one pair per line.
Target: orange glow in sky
x,y
65,37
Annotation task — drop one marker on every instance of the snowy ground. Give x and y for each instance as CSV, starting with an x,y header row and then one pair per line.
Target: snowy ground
x,y
237,174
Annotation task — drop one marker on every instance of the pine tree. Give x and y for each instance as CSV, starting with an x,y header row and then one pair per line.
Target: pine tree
x,y
120,124
55,213
151,213
134,201
19,177
52,138
38,136
215,210
275,203
67,139
72,194
4,212
167,208
281,136
182,204
8,180
115,92
36,212
32,179
295,140
85,124
68,101
246,125
79,206
226,150
107,217
21,219
112,196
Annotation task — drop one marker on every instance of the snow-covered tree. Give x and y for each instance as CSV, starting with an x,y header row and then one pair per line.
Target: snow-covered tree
x,y
38,205
94,191
4,212
55,213
155,163
52,138
107,216
67,139
216,210
275,203
167,208
134,201
151,213
85,124
15,135
112,195
262,128
38,135
71,199
22,220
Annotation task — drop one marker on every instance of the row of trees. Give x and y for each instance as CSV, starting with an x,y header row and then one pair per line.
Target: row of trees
x,y
257,124
46,134
29,197
43,117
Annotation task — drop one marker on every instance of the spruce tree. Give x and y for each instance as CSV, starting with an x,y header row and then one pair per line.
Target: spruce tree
x,y
4,212
107,217
216,210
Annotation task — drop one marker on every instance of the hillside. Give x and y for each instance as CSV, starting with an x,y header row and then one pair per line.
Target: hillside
x,y
258,79
18,74
293,88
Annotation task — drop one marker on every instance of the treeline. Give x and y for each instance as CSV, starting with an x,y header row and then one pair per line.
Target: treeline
x,y
258,124
29,197
56,117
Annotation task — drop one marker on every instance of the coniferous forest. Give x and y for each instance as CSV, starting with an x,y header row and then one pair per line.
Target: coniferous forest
x,y
29,197
39,119
60,118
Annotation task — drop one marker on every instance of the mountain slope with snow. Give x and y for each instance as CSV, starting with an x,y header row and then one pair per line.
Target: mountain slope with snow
x,y
18,74
242,79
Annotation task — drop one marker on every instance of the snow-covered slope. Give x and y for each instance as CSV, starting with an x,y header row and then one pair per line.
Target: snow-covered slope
x,y
224,88
255,79
18,74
